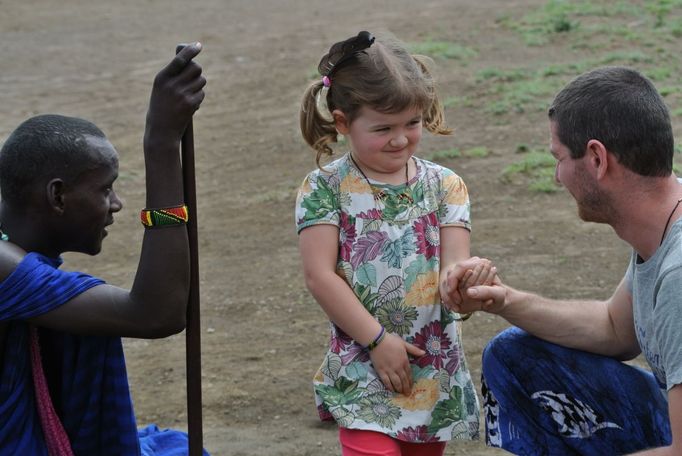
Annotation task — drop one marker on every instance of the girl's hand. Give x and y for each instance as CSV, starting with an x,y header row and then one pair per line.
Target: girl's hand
x,y
390,360
484,273
450,279
465,286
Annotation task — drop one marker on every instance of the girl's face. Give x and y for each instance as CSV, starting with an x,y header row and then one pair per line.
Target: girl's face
x,y
382,143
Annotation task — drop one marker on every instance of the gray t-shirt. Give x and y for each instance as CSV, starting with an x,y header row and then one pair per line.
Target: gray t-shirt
x,y
656,287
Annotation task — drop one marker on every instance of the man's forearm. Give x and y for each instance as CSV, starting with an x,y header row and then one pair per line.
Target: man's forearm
x,y
579,324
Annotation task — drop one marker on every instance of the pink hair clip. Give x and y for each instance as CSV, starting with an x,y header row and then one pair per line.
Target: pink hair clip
x,y
326,81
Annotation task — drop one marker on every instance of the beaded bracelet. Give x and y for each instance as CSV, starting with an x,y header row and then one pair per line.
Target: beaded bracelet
x,y
163,217
377,340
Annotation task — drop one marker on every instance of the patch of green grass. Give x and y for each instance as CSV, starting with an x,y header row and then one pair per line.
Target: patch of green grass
x,y
536,169
458,102
454,152
665,91
522,148
524,90
522,96
660,9
624,58
676,166
443,49
477,152
276,195
676,28
543,185
593,24
561,69
660,73
583,34
443,154
313,74
540,25
531,163
501,75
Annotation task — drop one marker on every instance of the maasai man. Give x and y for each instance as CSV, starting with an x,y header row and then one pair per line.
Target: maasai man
x,y
64,388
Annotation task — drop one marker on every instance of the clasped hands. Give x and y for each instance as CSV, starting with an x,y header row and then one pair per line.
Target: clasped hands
x,y
472,285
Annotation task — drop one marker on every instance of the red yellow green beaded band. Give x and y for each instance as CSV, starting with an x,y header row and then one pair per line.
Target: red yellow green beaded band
x,y
167,216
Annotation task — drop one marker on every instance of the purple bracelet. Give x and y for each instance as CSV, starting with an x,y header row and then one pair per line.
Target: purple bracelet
x,y
377,340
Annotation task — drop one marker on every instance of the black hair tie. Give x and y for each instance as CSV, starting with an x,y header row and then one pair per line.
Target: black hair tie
x,y
343,51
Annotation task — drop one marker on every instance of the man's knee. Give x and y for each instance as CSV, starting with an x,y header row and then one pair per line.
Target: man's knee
x,y
509,342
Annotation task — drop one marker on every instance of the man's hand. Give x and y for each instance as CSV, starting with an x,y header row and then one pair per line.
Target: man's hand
x,y
487,297
176,95
452,279
472,285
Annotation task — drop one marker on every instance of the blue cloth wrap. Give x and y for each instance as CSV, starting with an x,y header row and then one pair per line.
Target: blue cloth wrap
x,y
87,374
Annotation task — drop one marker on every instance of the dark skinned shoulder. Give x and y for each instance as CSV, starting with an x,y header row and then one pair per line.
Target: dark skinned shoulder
x,y
10,257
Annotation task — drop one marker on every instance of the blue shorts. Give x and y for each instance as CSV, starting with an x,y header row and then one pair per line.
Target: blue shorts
x,y
544,399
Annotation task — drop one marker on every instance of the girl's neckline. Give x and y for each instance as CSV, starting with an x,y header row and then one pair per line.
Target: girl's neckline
x,y
382,191
377,183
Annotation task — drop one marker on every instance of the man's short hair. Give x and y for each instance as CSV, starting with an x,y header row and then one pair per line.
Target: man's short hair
x,y
623,110
41,147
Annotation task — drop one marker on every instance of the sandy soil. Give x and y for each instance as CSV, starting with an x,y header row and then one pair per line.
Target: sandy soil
x,y
263,335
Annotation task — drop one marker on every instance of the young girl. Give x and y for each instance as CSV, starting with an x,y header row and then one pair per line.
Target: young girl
x,y
377,227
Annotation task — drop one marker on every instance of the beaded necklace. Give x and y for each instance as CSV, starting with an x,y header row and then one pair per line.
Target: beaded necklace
x,y
380,195
668,222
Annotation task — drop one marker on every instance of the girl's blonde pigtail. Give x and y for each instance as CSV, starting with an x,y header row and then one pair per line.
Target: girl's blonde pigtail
x,y
317,130
434,116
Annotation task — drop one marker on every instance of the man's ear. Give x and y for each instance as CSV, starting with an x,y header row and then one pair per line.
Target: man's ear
x,y
341,122
55,195
598,157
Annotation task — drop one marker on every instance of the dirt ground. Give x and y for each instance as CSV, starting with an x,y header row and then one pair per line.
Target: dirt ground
x,y
263,335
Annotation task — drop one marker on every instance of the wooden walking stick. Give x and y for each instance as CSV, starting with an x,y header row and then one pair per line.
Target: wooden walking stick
x,y
193,331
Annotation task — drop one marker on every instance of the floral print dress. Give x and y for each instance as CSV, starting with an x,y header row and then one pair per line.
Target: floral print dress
x,y
389,254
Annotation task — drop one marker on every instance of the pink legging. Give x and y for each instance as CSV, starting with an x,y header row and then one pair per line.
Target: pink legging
x,y
356,442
